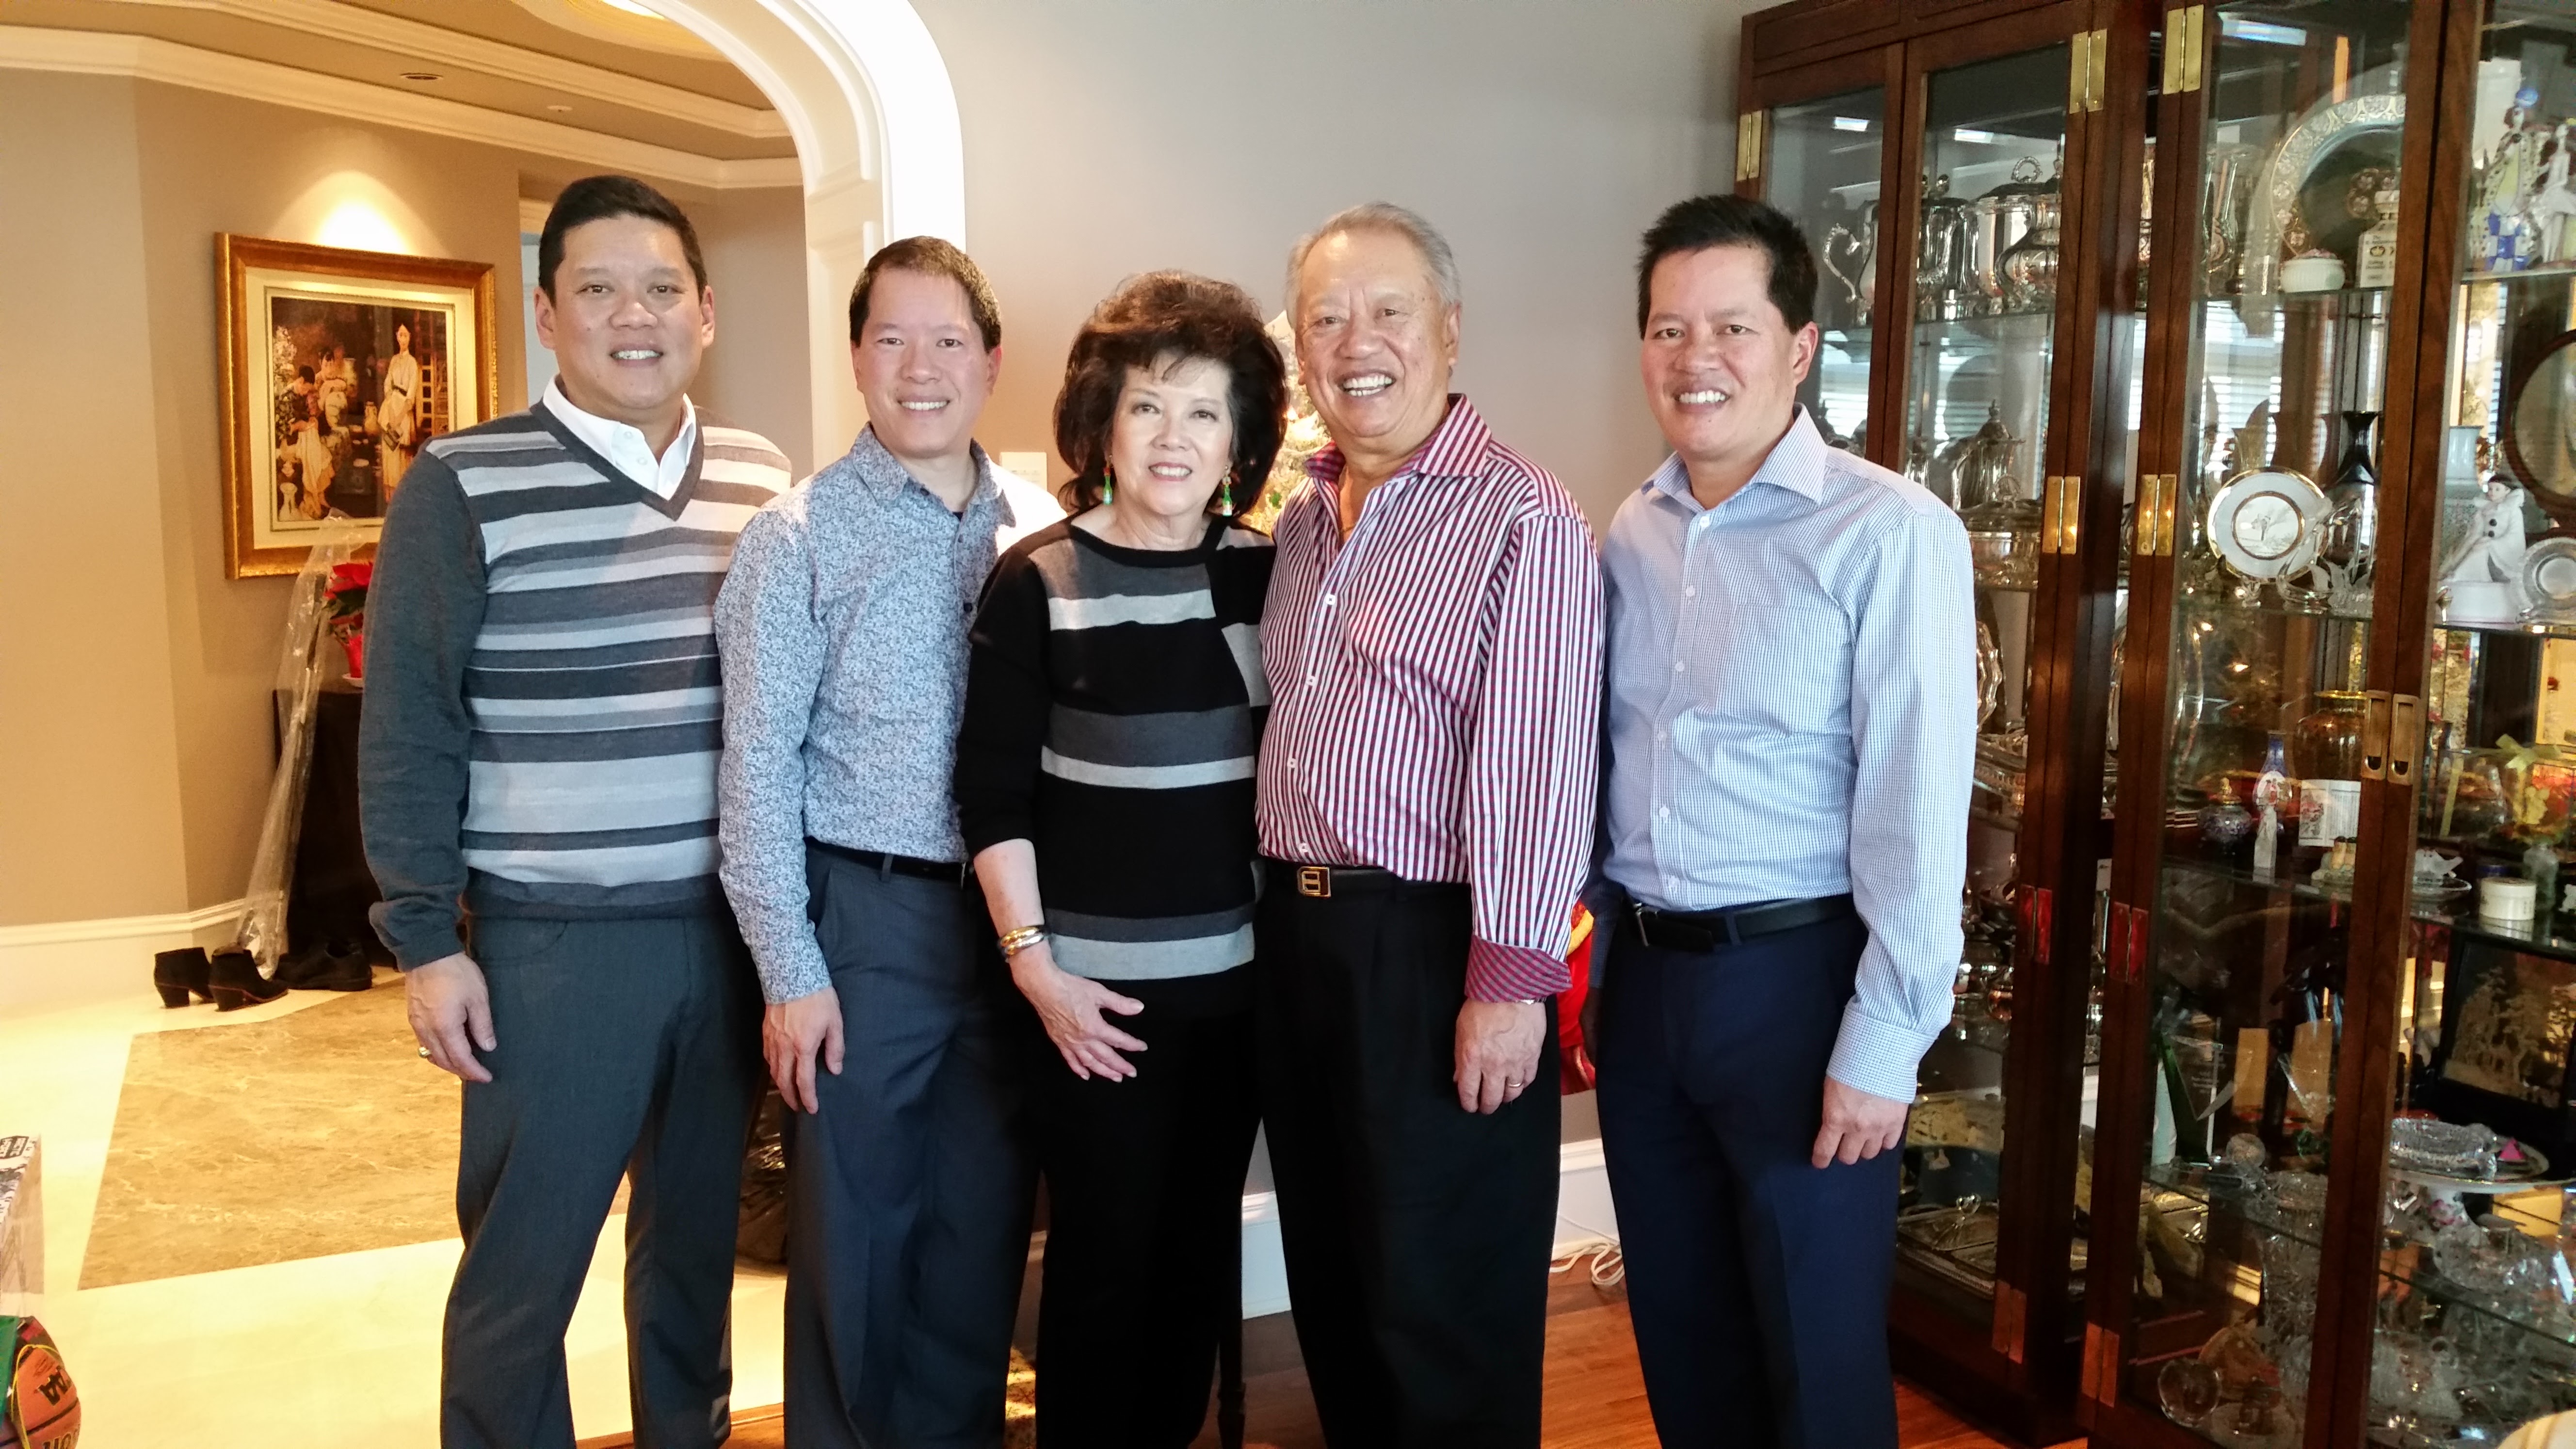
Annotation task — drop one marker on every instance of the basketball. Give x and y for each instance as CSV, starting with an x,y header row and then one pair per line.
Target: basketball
x,y
42,1407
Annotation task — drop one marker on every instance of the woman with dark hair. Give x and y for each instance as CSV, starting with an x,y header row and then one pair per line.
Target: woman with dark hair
x,y
1105,764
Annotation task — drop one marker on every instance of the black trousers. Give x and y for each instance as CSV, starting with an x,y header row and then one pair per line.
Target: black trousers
x,y
627,1049
1144,1221
909,1193
1757,1283
1417,1232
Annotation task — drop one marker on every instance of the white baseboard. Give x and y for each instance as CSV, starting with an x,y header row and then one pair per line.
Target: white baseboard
x,y
1583,1216
75,963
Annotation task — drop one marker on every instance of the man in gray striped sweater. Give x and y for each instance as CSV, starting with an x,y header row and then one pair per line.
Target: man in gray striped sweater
x,y
540,741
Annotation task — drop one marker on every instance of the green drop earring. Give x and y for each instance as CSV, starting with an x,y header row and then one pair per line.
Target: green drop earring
x,y
1225,495
1108,483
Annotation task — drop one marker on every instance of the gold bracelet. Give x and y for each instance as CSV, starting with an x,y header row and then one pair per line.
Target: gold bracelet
x,y
1016,941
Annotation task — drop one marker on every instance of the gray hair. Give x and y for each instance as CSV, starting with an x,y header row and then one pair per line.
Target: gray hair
x,y
1383,216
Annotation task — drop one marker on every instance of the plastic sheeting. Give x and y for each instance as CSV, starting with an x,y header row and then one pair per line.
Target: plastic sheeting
x,y
303,663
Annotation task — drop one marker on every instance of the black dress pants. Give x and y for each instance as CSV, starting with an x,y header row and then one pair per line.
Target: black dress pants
x,y
1417,1232
1144,1220
627,1049
1757,1282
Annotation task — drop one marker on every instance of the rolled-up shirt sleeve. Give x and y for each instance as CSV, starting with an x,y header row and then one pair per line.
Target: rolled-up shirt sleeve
x,y
1532,786
1914,737
773,648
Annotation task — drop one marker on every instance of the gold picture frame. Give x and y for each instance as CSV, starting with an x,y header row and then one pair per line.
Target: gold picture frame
x,y
338,365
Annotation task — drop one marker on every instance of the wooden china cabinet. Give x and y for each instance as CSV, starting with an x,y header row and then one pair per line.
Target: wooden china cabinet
x,y
2243,338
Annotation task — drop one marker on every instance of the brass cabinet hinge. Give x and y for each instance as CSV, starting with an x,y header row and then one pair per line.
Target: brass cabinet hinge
x,y
2096,70
1748,145
2051,499
2070,513
2143,515
2165,523
2079,70
2011,1307
2185,56
2374,735
2405,737
2101,1364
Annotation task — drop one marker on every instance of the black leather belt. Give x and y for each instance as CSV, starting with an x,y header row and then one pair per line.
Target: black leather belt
x,y
1323,882
956,873
1710,930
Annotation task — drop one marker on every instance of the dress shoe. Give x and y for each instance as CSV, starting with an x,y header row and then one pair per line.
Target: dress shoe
x,y
177,973
335,966
237,982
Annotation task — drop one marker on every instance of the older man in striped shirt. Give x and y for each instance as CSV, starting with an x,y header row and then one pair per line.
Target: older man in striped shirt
x,y
1433,647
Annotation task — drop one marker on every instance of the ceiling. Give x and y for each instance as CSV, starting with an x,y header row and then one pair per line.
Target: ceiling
x,y
496,55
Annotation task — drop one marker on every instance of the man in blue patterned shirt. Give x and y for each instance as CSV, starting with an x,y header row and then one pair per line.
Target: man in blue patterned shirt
x,y
1790,725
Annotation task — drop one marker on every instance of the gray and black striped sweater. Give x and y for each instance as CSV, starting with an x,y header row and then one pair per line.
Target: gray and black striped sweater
x,y
543,709
1114,701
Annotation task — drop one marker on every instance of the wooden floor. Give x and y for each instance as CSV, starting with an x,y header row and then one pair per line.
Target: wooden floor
x,y
1595,1399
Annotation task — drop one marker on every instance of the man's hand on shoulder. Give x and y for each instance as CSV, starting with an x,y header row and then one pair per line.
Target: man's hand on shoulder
x,y
451,1014
1858,1125
1498,1047
791,1033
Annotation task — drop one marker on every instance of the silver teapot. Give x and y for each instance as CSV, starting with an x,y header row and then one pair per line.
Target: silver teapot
x,y
2030,264
1941,254
1996,222
1850,257
1985,472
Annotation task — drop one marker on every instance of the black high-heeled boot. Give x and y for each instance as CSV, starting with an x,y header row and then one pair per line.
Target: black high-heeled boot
x,y
177,973
237,982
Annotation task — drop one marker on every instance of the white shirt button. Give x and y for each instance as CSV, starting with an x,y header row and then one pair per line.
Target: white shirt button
x,y
1328,601
1659,737
1703,522
1292,764
1672,882
1691,593
1663,812
1312,678
1679,666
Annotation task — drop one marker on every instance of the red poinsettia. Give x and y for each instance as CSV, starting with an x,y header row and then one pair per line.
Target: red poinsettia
x,y
347,591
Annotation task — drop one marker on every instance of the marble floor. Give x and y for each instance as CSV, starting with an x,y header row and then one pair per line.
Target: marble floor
x,y
182,1344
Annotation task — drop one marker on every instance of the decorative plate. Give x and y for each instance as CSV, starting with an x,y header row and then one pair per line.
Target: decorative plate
x,y
2540,424
2328,127
2549,576
2265,524
2532,1171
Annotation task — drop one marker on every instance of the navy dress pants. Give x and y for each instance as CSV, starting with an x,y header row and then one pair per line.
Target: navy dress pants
x,y
1757,1283
909,1193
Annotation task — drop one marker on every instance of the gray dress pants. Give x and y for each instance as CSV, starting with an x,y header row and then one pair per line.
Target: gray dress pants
x,y
910,1191
627,1048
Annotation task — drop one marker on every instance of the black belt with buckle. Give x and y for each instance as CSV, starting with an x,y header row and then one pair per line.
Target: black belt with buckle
x,y
1710,930
1323,882
952,872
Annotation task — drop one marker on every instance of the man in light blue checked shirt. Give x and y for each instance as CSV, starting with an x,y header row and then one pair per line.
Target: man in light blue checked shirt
x,y
1791,724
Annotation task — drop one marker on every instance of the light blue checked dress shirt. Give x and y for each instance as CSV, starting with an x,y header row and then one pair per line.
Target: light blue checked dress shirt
x,y
1792,712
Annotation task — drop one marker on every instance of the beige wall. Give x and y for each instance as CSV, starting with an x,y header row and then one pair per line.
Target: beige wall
x,y
1116,136
89,750
136,714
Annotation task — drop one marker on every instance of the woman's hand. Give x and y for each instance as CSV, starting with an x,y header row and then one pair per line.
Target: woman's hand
x,y
1071,1007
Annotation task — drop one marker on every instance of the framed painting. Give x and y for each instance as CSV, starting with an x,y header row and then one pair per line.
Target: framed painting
x,y
338,366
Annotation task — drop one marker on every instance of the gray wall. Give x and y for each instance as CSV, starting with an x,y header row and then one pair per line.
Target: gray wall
x,y
1115,136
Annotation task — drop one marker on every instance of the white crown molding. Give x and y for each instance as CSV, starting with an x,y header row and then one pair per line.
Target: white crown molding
x,y
419,42
141,57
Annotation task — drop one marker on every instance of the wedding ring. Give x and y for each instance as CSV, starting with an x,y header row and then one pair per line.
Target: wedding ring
x,y
424,1054
1515,1086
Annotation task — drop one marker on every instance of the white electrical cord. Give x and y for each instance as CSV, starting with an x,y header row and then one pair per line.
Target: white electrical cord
x,y
1597,1249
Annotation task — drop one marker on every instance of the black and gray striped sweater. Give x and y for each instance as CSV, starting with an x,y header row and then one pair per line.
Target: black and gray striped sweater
x,y
1114,702
543,707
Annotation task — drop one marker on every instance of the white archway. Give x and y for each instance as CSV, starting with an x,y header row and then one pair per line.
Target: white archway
x,y
866,96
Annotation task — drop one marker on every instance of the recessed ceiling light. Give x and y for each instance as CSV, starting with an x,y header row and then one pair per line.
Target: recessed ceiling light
x,y
560,110
422,75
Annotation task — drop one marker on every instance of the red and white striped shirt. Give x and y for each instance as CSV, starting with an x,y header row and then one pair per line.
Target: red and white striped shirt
x,y
1435,688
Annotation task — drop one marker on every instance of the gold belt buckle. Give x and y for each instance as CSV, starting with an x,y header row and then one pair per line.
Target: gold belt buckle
x,y
1315,880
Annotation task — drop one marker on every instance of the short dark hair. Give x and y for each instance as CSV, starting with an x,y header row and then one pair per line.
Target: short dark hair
x,y
1733,221
1179,316
598,198
933,257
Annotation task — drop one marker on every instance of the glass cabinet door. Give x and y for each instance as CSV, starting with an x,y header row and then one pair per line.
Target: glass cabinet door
x,y
2476,1300
1823,170
2295,117
1980,342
